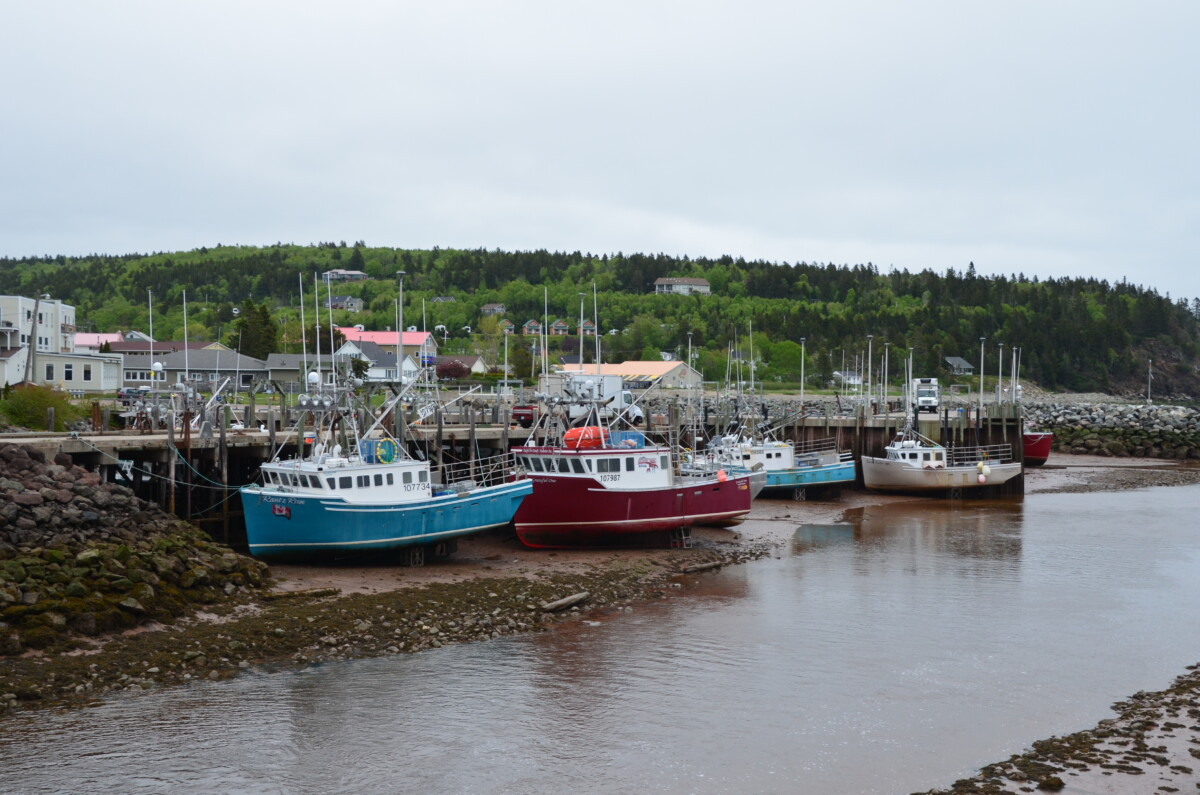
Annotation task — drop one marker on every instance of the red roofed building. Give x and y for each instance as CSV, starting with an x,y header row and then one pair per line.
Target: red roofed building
x,y
417,344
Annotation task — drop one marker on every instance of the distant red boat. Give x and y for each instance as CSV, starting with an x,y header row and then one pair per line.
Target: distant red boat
x,y
1037,447
603,488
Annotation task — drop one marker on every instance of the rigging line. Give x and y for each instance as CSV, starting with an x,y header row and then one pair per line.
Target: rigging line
x,y
199,474
151,475
214,506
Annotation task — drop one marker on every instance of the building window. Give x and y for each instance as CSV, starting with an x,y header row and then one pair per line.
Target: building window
x,y
87,372
49,372
68,372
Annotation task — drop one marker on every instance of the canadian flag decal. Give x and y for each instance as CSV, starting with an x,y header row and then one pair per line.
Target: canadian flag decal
x,y
282,510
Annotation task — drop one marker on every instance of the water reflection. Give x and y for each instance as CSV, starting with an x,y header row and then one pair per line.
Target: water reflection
x,y
894,651
970,539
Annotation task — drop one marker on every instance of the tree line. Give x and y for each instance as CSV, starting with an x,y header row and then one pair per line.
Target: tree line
x,y
1081,334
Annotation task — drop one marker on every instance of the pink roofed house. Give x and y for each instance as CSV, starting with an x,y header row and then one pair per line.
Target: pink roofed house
x,y
415,342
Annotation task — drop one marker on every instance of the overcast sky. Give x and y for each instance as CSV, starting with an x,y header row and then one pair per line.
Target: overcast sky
x,y
1056,138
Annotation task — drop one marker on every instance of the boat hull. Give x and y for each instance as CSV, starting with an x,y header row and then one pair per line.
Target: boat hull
x,y
290,525
881,474
580,512
794,478
1036,447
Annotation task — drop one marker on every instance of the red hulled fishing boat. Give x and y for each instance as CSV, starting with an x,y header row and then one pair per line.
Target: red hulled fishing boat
x,y
597,487
1036,447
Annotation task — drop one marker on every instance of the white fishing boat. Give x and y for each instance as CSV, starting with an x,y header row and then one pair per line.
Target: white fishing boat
x,y
915,463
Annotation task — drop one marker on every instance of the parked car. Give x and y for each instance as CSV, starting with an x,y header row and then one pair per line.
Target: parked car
x,y
127,395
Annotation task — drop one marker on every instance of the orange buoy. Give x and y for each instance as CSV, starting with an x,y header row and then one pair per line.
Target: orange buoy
x,y
721,476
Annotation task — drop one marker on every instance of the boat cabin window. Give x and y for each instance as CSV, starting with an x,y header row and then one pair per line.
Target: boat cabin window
x,y
537,464
363,481
407,476
563,466
577,465
662,462
315,482
605,465
926,456
345,482
629,465
390,480
423,476
745,456
378,479
332,483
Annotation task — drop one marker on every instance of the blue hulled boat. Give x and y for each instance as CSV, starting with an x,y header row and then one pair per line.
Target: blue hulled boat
x,y
328,503
790,470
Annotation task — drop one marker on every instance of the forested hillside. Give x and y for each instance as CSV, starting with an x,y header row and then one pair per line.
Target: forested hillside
x,y
1074,334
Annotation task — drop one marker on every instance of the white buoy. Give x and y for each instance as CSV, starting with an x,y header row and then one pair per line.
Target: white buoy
x,y
982,479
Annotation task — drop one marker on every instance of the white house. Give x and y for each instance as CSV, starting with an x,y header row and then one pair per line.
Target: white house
x,y
37,345
681,285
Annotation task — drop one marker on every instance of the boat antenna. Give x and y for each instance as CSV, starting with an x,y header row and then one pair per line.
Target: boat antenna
x,y
596,321
303,331
316,329
329,300
150,311
187,372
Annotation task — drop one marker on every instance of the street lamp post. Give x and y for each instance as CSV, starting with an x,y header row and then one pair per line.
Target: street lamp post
x,y
981,374
802,357
870,339
1000,375
581,297
887,347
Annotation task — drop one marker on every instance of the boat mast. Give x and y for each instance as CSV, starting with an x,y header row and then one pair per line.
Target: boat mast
x,y
303,332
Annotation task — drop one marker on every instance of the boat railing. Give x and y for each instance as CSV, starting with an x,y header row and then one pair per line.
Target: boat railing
x,y
991,453
826,445
490,471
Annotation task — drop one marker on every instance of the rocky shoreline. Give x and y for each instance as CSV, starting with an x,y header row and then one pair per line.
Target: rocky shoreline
x,y
1119,429
305,627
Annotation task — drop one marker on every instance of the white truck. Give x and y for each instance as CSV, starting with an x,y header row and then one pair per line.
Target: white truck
x,y
578,392
926,395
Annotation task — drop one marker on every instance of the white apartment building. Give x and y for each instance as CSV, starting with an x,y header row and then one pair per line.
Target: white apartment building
x,y
37,344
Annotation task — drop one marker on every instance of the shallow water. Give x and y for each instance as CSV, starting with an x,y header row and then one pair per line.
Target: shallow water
x,y
897,651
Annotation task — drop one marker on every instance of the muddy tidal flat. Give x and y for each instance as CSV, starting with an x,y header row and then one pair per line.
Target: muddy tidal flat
x,y
494,588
